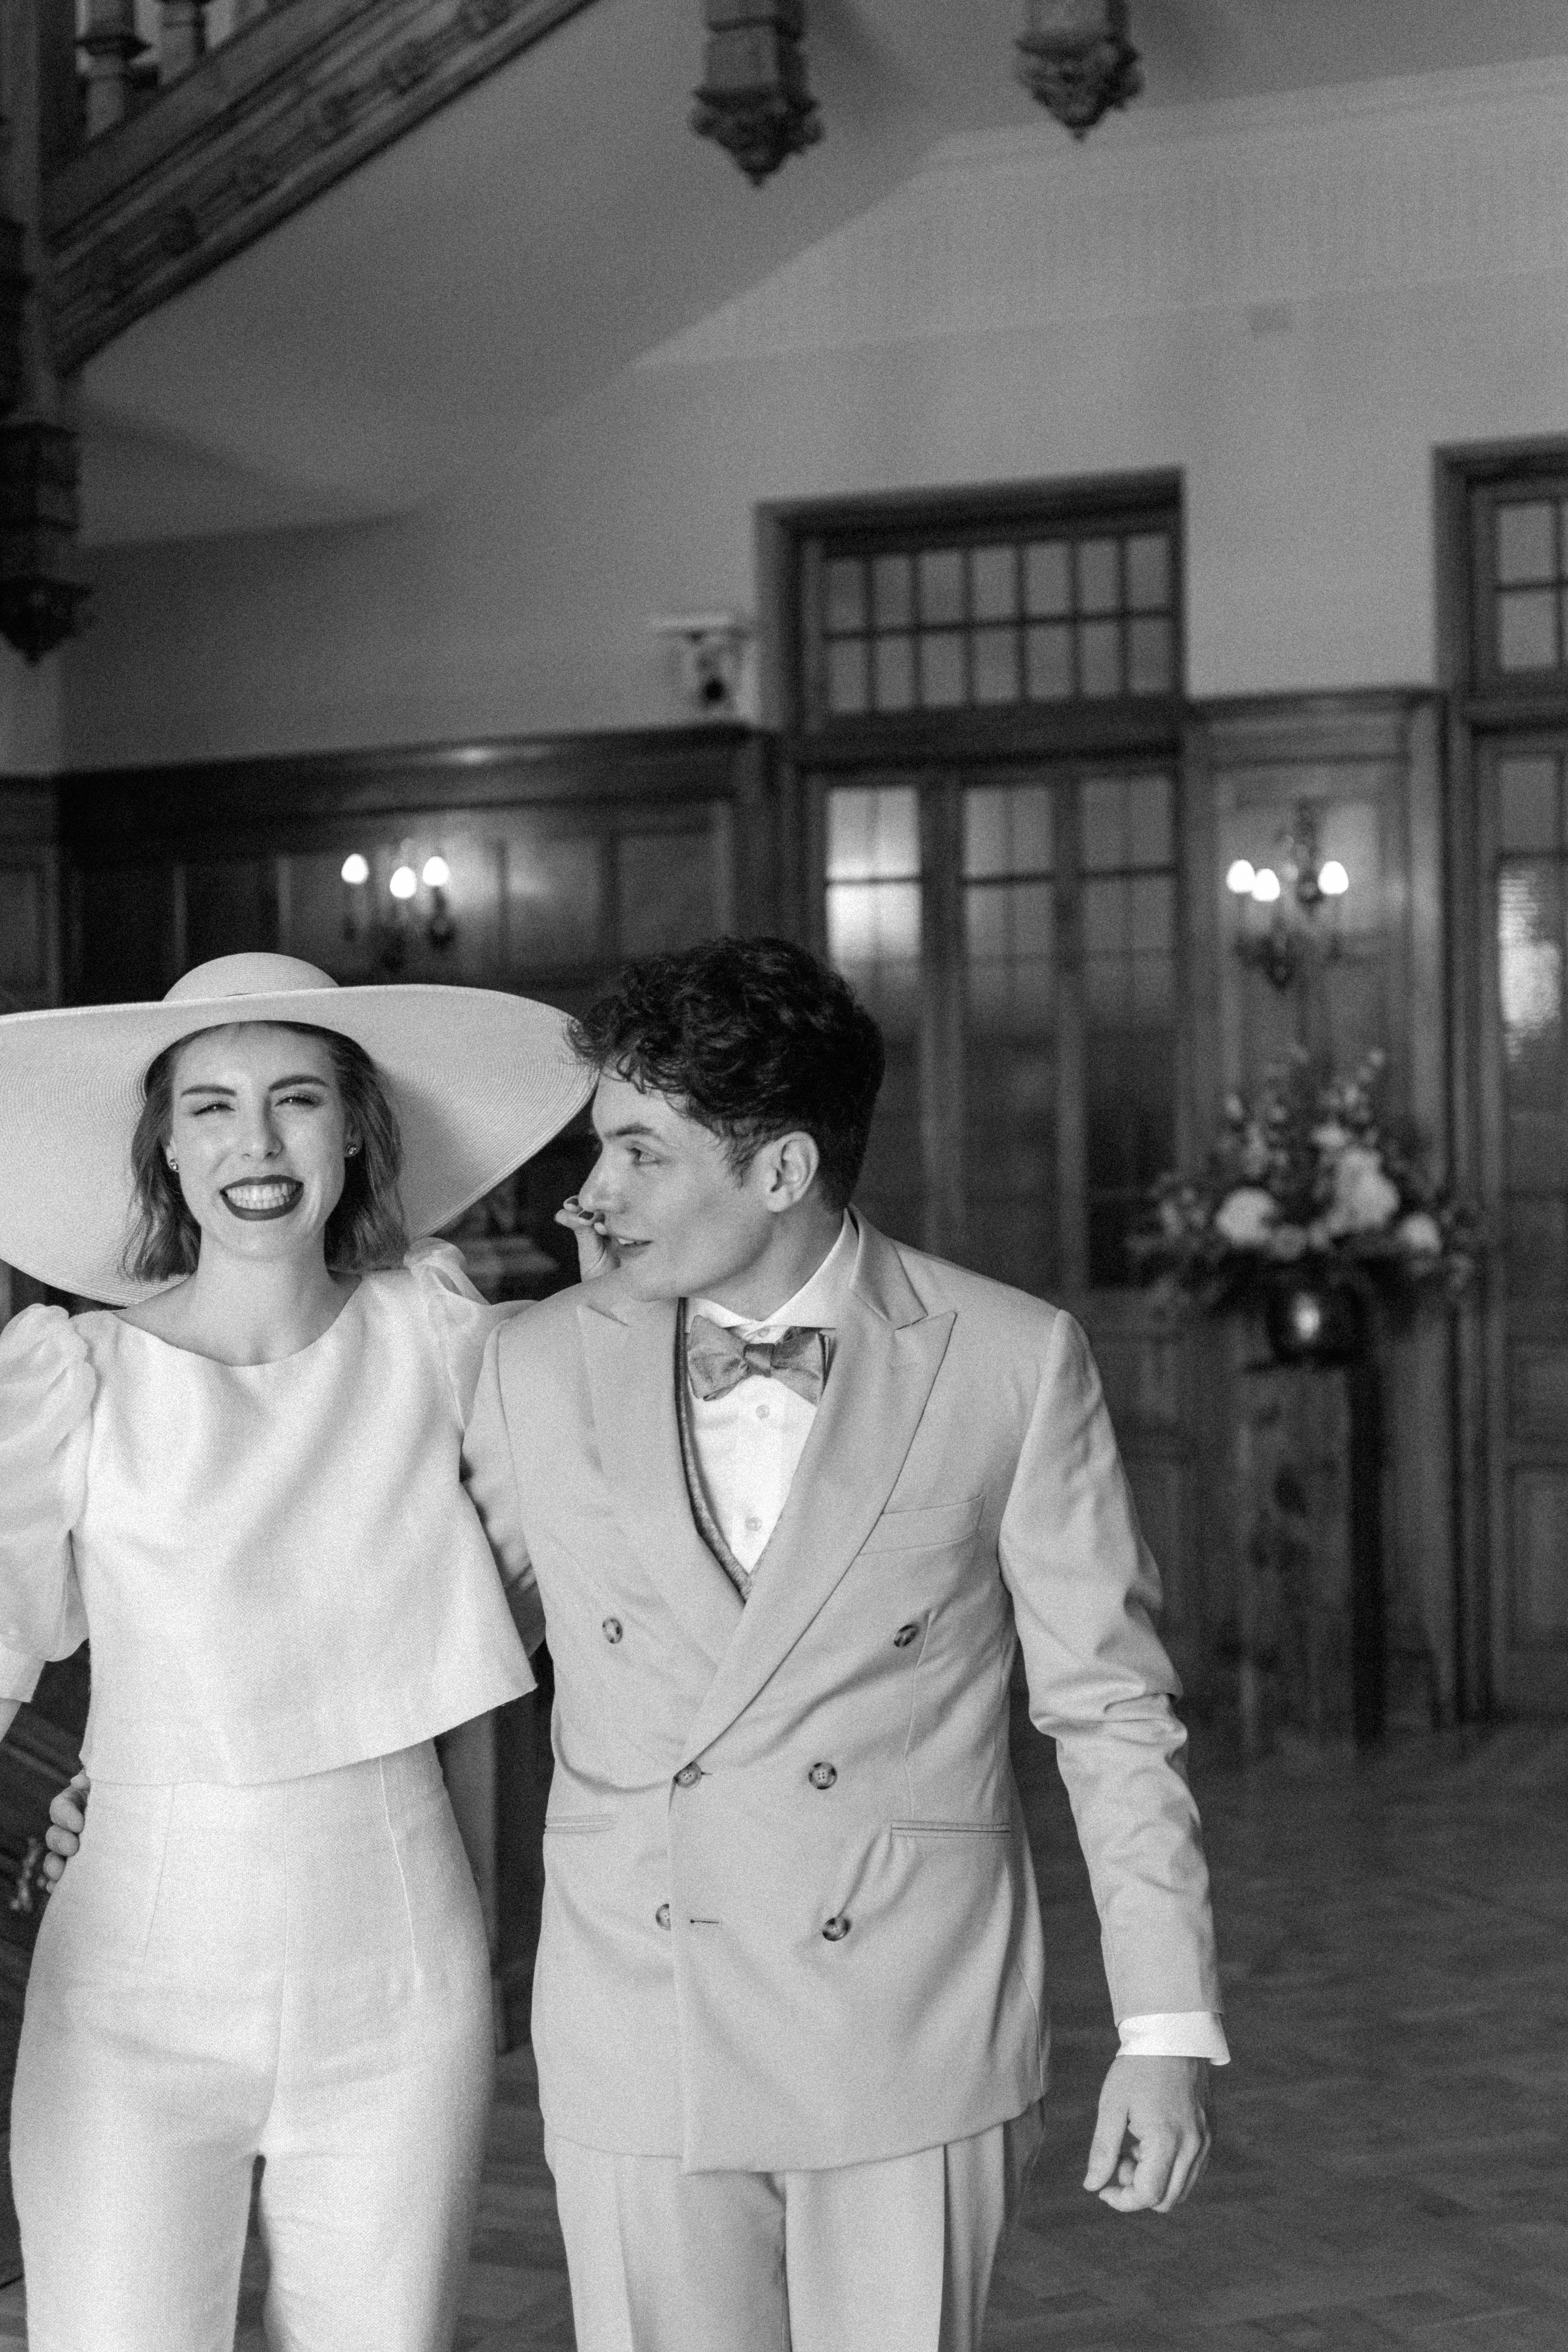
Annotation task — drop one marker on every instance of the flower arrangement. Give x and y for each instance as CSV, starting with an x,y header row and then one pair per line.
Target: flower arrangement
x,y
1306,1181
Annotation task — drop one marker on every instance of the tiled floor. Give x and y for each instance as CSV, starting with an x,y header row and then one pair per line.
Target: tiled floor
x,y
1392,2160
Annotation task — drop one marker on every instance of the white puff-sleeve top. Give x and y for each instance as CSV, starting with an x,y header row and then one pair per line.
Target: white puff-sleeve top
x,y
277,1564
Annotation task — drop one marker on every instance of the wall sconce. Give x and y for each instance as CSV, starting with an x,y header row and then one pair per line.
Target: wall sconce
x,y
1286,934
389,931
753,98
1077,59
712,653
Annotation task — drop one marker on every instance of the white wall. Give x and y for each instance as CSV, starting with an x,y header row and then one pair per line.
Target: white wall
x,y
1292,300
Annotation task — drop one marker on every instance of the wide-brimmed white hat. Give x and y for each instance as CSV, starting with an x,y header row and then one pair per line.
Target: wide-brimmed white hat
x,y
478,1080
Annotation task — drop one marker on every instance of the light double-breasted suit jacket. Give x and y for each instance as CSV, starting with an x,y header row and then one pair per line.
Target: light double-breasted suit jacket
x,y
790,1919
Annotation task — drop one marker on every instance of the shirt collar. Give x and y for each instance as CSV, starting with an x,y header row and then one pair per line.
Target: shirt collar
x,y
818,1303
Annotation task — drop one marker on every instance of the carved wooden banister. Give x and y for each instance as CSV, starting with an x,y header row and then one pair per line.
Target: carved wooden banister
x,y
239,137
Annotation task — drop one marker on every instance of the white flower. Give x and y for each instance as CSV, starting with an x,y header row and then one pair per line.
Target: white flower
x,y
1243,1217
1331,1136
1288,1242
1364,1201
1420,1233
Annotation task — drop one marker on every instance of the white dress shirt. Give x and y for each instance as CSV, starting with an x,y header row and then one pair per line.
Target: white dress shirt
x,y
749,1443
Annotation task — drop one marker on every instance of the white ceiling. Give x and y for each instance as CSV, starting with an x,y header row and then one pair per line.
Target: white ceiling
x,y
527,243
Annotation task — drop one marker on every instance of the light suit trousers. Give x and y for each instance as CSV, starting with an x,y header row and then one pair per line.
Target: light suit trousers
x,y
894,2256
298,1971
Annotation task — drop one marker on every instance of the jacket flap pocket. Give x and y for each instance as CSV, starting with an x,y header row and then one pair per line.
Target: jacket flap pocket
x,y
926,1529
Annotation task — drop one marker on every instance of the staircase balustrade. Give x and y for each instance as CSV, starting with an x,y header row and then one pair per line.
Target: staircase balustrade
x,y
121,68
244,110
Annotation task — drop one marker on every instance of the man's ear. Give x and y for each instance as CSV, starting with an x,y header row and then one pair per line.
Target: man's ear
x,y
791,1165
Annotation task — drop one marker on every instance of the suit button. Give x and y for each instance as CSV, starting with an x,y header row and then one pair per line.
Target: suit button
x,y
689,1776
612,1629
822,1776
837,1928
661,1917
904,1636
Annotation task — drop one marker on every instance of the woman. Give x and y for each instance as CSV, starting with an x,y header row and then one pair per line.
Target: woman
x,y
241,1480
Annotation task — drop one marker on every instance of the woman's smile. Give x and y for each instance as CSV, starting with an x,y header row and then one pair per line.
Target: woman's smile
x,y
260,1197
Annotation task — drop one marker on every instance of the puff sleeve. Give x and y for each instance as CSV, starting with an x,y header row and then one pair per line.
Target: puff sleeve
x,y
46,1387
461,1319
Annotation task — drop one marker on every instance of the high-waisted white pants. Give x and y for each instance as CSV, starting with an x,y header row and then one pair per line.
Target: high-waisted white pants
x,y
298,1971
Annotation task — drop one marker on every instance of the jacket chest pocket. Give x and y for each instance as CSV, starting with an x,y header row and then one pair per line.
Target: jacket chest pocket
x,y
933,1527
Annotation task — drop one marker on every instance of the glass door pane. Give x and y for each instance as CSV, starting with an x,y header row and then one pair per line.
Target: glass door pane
x,y
1525,812
876,938
1010,951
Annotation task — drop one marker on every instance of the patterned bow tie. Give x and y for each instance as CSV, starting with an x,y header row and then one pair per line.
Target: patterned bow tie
x,y
717,1359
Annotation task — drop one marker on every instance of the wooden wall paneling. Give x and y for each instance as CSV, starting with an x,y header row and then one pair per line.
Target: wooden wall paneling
x,y
124,930
29,897
242,851
764,848
675,881
253,804
26,898
230,905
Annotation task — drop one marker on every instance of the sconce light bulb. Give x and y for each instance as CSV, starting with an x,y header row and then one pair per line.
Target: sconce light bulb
x,y
1266,886
1332,880
1240,878
404,883
435,873
356,870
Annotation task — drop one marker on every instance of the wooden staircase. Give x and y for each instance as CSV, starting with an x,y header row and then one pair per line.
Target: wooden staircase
x,y
232,140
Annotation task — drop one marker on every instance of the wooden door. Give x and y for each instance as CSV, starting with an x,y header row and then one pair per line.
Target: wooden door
x,y
1523,927
1014,926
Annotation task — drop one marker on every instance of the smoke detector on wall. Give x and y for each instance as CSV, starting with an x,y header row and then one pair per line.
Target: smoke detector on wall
x,y
711,650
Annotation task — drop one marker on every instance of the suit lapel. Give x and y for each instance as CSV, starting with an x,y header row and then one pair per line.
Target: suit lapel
x,y
630,1358
887,1358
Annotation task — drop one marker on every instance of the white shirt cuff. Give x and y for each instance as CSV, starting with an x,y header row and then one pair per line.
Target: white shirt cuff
x,y
1176,2033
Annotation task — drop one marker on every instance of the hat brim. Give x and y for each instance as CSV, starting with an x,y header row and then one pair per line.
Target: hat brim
x,y
479,1081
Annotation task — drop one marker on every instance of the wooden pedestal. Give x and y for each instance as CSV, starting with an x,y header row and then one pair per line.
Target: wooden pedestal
x,y
1309,1495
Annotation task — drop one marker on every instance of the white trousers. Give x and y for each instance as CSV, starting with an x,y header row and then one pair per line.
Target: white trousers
x,y
298,1971
894,2256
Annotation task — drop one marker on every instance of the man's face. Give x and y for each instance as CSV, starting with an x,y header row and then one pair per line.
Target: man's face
x,y
682,1223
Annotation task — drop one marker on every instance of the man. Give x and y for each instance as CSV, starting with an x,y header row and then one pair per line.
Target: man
x,y
790,1494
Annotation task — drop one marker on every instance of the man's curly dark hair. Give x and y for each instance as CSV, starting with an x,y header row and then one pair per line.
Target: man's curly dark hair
x,y
753,1038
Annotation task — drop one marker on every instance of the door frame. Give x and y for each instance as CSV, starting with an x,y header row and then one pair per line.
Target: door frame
x,y
1482,717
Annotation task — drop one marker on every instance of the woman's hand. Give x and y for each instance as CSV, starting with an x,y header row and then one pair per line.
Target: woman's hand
x,y
68,1817
596,1253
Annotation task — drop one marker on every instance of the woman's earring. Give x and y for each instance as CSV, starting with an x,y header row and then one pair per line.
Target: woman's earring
x,y
350,1150
173,1163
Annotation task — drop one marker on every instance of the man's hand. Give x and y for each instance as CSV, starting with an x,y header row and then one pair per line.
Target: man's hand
x,y
596,1253
1152,2139
68,1817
